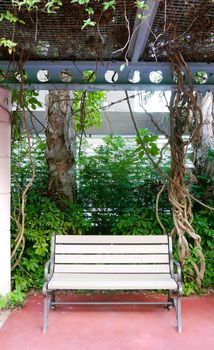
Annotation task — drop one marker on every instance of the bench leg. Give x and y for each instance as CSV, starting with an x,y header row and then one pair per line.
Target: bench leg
x,y
53,299
178,313
169,299
169,295
53,296
46,307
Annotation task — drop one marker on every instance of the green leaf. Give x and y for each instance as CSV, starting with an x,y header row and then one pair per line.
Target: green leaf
x,y
10,18
141,5
90,10
109,4
9,44
146,139
53,5
154,150
88,22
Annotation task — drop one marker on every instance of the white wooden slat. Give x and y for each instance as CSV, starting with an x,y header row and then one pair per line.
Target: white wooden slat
x,y
110,276
111,281
93,239
110,259
111,249
146,268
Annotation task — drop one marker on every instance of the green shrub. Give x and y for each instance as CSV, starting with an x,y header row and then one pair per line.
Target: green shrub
x,y
141,221
117,191
117,183
12,300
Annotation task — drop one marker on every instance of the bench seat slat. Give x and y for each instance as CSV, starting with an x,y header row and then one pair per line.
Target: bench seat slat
x,y
146,268
111,249
111,281
94,239
110,259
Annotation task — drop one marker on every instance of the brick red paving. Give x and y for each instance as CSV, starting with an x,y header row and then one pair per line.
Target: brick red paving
x,y
111,327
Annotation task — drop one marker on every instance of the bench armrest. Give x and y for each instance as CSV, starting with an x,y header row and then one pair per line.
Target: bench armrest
x,y
47,269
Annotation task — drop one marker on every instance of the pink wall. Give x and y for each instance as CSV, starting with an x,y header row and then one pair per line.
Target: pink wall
x,y
5,274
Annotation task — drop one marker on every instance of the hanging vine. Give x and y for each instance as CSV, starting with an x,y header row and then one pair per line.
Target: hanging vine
x,y
22,104
183,103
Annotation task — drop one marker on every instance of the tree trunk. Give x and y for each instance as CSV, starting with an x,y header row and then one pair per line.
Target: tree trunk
x,y
205,141
60,149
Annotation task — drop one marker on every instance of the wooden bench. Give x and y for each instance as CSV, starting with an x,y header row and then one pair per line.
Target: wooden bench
x,y
112,263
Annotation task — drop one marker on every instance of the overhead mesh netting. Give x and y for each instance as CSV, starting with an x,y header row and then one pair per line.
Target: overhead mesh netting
x,y
59,36
186,25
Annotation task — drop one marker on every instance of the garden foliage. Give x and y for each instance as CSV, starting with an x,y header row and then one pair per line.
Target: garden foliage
x,y
117,188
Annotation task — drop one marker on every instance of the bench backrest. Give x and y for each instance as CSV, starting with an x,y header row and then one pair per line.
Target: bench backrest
x,y
111,254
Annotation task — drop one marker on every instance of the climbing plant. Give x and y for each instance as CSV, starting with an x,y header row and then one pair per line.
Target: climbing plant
x,y
7,43
183,102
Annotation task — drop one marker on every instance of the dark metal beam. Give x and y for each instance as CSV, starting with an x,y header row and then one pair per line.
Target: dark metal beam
x,y
141,31
54,72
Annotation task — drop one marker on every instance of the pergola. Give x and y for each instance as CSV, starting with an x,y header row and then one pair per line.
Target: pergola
x,y
55,52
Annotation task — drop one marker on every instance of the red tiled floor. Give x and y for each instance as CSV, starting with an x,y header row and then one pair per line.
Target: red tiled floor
x,y
111,327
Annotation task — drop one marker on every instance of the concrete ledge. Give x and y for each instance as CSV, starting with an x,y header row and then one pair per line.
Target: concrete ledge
x,y
4,316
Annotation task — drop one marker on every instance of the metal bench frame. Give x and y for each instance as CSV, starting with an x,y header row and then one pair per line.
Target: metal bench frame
x,y
173,296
